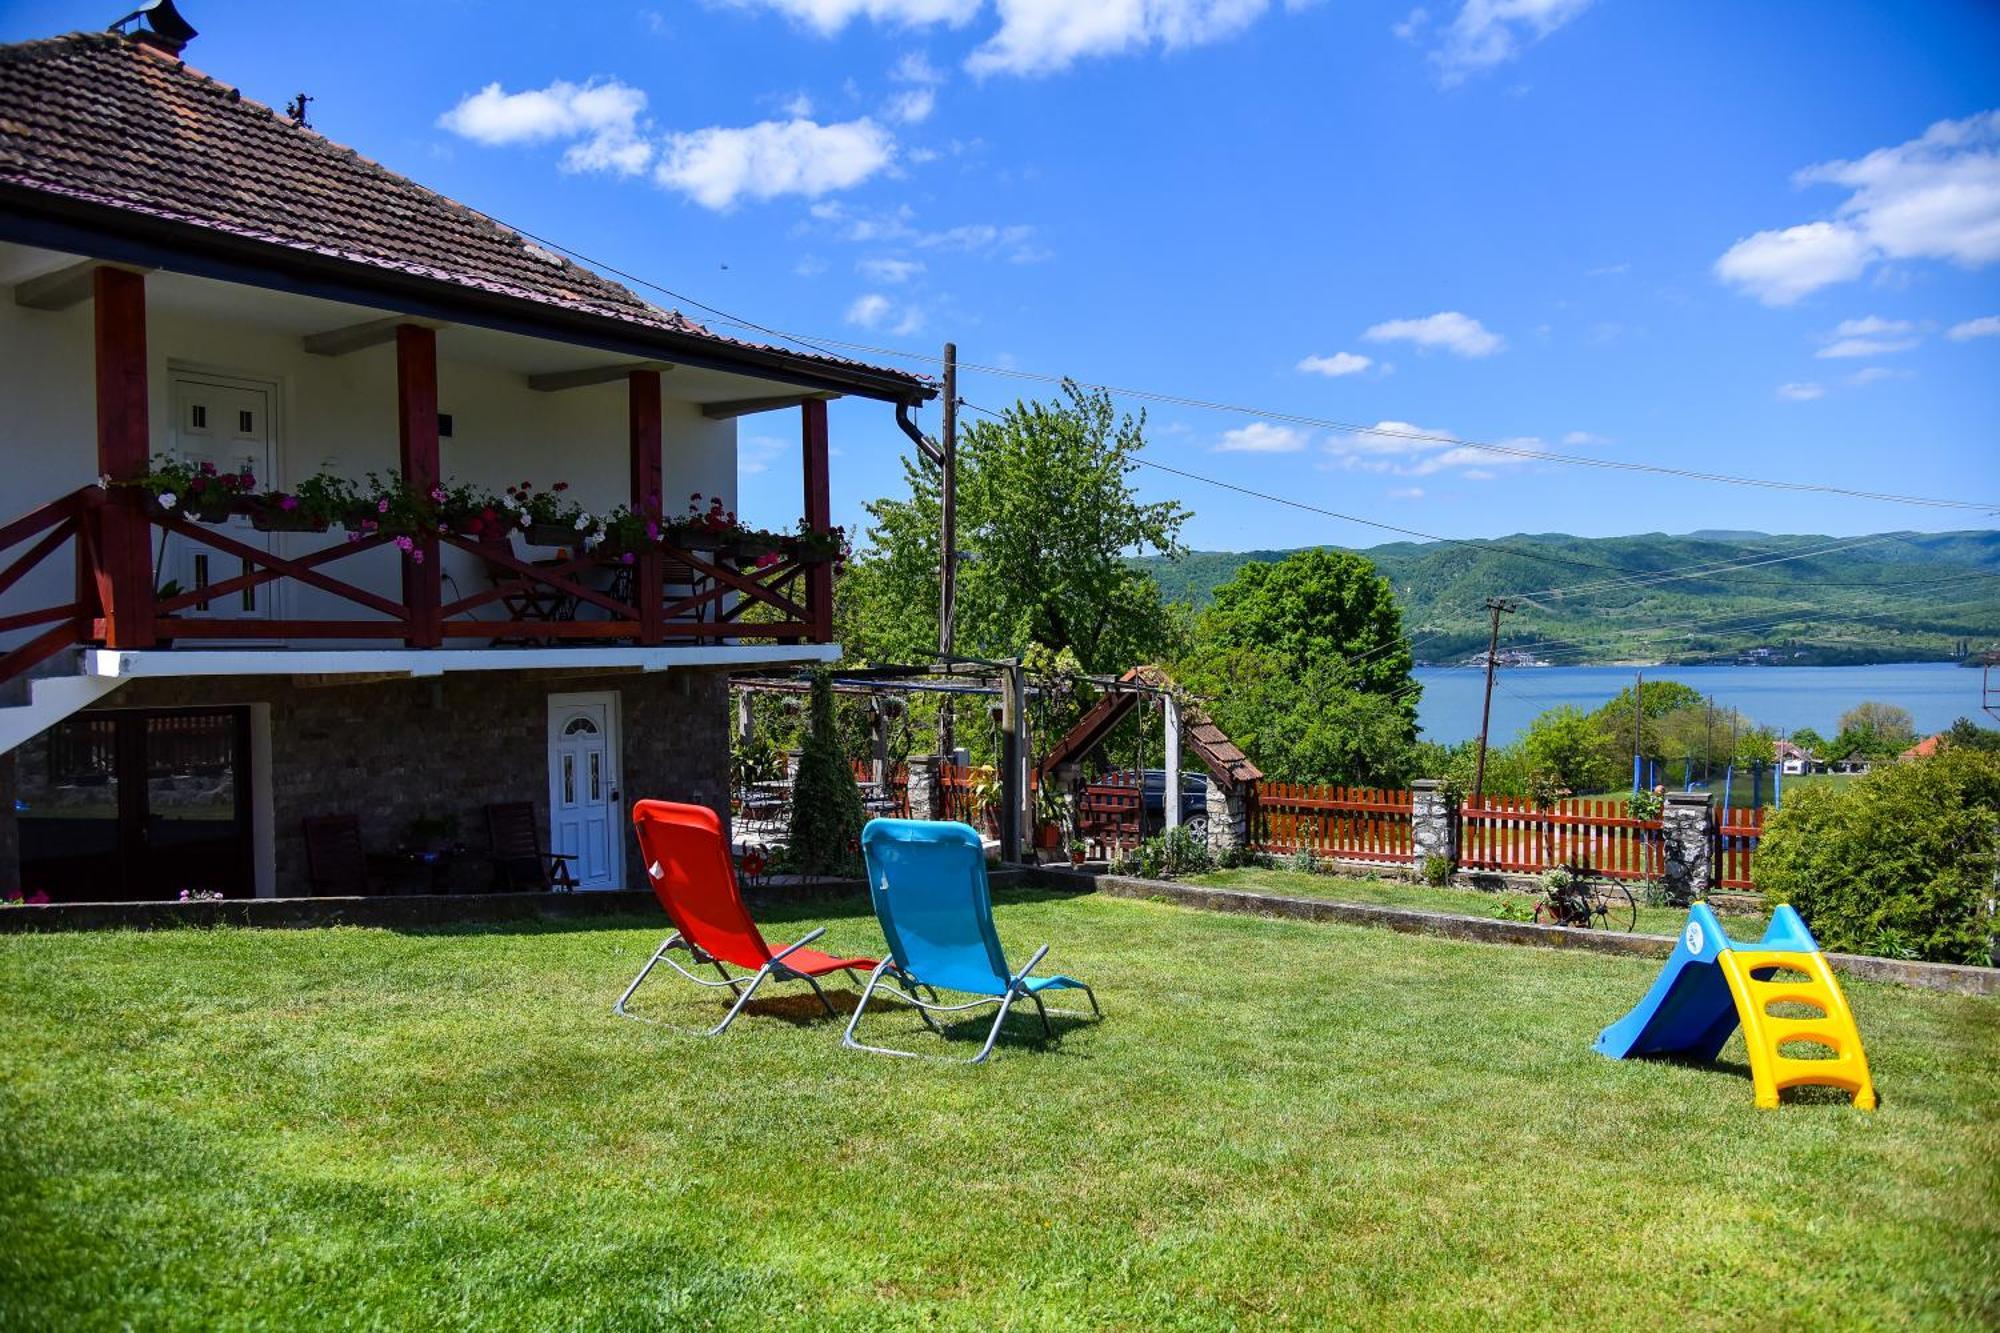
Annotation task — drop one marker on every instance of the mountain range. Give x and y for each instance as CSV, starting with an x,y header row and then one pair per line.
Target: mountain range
x,y
1695,597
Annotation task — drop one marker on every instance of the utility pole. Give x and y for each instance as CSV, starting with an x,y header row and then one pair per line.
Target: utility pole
x,y
1498,607
1013,767
1638,725
948,539
1708,742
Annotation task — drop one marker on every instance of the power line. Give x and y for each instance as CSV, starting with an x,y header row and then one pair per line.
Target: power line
x,y
823,344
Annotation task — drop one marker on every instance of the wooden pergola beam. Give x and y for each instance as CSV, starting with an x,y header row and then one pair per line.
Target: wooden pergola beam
x,y
554,381
743,407
65,287
339,342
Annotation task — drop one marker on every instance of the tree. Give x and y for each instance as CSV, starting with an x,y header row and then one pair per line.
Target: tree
x,y
1568,746
1875,730
1964,734
1317,609
826,805
1302,724
1809,740
1047,516
1899,862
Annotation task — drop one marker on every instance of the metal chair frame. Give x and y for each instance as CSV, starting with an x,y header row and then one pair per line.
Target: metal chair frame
x,y
743,986
1017,987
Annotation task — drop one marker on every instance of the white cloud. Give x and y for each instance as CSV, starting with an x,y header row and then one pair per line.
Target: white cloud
x,y
1340,363
603,117
798,106
912,106
1933,197
1870,336
1045,36
1801,393
718,166
1986,326
1407,493
1012,242
1876,374
1261,437
1399,448
1457,333
916,67
870,310
1486,33
891,270
830,16
1779,267
1583,438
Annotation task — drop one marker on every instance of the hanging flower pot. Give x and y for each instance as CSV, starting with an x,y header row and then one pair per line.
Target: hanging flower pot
x,y
553,534
266,516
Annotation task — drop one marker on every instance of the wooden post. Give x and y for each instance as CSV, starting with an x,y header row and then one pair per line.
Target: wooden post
x,y
1171,808
648,583
948,541
124,439
417,434
819,518
1013,769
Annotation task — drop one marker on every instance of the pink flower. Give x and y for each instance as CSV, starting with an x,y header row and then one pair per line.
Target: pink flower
x,y
625,559
405,544
38,898
289,502
438,494
417,556
652,532
382,506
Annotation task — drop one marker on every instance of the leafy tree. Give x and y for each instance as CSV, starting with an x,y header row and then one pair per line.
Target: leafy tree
x,y
826,804
1874,730
1302,724
1657,699
1964,734
1809,740
1566,744
1047,516
1317,609
1756,747
1899,862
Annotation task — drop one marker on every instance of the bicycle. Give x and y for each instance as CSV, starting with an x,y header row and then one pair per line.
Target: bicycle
x,y
1571,898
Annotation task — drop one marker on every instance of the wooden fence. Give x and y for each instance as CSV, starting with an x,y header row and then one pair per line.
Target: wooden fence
x,y
891,796
1736,836
1110,814
1342,823
960,798
1509,833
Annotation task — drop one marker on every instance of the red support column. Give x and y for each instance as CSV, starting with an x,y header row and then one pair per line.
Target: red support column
x,y
417,433
124,439
819,518
648,582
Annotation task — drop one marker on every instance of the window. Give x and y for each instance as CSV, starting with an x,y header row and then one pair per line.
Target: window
x,y
246,421
580,726
197,416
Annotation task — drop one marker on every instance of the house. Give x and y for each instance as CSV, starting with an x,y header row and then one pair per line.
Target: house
x,y
190,676
1793,760
1924,748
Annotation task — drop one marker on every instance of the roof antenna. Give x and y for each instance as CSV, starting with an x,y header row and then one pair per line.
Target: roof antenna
x,y
157,24
296,109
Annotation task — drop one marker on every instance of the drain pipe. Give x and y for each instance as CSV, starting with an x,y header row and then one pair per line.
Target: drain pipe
x,y
909,428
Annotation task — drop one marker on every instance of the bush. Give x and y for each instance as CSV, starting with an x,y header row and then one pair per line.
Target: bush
x,y
1303,862
827,816
1437,871
1900,861
1168,855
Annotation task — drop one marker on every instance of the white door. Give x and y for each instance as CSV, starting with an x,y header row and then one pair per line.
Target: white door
x,y
228,424
583,786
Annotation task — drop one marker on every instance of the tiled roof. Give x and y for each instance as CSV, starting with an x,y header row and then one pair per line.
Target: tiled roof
x,y
99,119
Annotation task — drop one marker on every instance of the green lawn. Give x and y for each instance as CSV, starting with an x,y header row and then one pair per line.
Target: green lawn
x,y
1278,1123
1393,891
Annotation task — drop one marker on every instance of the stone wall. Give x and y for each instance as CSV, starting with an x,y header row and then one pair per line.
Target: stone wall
x,y
390,751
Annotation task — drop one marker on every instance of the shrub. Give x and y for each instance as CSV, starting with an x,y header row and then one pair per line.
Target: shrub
x,y
1168,855
826,805
1901,860
1303,862
1437,871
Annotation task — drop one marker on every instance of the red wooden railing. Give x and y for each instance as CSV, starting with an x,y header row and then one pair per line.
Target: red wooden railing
x,y
889,797
1345,823
652,597
1110,814
1736,836
960,798
1510,833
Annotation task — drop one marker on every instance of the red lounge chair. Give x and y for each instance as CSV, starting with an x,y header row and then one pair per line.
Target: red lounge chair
x,y
694,879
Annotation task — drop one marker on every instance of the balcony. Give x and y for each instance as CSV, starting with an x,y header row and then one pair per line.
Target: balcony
x,y
679,589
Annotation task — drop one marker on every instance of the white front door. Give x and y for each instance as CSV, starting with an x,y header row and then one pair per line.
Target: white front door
x,y
583,786
227,423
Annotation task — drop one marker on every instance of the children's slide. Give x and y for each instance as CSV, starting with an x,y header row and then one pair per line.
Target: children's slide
x,y
1711,983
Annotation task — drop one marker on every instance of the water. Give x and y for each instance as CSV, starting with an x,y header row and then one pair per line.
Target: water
x,y
1936,693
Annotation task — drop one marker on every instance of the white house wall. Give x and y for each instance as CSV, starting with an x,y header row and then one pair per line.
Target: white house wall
x,y
339,412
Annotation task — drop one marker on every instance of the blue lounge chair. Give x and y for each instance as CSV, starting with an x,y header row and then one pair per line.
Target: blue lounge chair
x,y
928,884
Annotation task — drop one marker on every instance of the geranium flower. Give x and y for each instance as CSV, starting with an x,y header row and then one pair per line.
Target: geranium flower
x,y
288,502
417,557
167,499
560,486
382,505
405,544
438,494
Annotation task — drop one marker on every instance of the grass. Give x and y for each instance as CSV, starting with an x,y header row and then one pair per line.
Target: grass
x,y
1277,1123
1743,788
1393,891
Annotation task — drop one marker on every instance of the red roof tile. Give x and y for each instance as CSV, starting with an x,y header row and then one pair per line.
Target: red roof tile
x,y
96,118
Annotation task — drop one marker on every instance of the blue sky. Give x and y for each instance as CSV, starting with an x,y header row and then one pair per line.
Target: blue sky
x,y
1758,239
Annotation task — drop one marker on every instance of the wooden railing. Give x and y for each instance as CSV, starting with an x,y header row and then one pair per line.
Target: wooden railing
x,y
1510,833
889,797
651,597
962,794
1342,823
1737,833
1111,814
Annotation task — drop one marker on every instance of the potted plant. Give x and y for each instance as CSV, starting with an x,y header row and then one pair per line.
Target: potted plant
x,y
1077,851
313,506
550,517
197,490
1050,812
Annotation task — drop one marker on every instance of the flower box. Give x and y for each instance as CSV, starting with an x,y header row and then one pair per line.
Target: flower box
x,y
553,534
268,518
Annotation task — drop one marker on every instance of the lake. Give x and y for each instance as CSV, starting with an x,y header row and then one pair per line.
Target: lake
x,y
1936,693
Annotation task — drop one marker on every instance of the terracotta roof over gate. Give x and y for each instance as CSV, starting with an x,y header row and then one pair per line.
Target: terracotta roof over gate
x,y
98,119
1217,753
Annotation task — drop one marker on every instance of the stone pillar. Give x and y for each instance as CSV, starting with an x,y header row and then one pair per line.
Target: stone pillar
x,y
1687,835
1433,824
924,786
1228,817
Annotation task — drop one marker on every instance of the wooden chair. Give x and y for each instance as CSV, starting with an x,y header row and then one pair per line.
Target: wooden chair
x,y
514,838
336,864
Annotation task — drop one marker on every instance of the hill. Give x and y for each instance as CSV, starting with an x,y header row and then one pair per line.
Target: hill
x,y
1888,597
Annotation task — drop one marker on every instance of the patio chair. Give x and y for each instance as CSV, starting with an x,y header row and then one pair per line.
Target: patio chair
x,y
336,863
514,841
695,881
928,884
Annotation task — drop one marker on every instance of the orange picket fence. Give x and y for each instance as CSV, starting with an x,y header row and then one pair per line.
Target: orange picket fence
x,y
1341,823
1510,833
